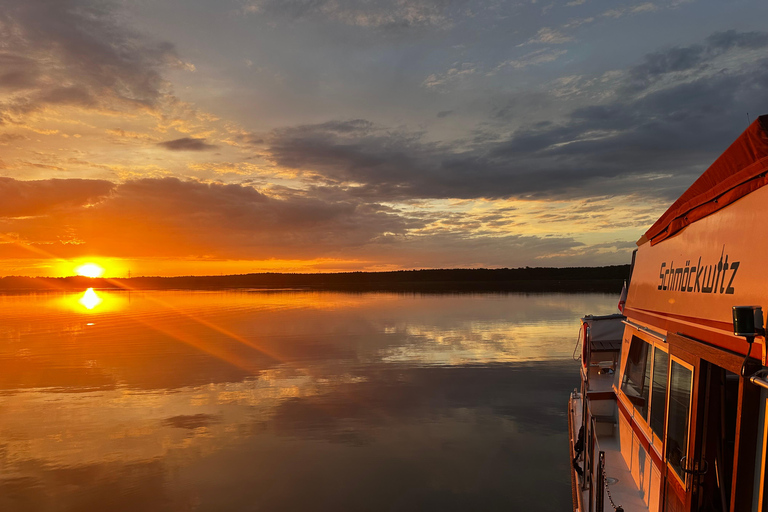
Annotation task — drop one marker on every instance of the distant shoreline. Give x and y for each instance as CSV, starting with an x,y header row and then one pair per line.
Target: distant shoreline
x,y
541,279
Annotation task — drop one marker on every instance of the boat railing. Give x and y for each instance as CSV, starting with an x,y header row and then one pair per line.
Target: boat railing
x,y
594,467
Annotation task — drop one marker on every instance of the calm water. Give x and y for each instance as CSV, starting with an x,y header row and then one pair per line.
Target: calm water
x,y
245,401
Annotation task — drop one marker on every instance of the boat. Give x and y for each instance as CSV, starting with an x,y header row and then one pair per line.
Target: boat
x,y
671,414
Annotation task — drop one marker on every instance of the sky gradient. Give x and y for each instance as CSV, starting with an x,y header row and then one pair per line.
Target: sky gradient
x,y
173,137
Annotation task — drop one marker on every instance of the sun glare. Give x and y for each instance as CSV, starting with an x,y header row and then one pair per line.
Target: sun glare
x,y
89,270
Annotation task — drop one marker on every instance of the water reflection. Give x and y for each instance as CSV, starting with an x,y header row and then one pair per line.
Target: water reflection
x,y
90,299
286,401
90,302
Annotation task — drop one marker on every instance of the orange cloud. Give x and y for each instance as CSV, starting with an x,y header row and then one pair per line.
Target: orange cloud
x,y
179,219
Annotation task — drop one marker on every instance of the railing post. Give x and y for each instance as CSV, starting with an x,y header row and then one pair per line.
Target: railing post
x,y
600,484
589,463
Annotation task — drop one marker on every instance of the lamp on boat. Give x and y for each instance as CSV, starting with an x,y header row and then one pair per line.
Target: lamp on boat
x,y
748,322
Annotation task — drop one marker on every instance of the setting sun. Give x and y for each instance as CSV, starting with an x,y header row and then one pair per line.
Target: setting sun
x,y
89,270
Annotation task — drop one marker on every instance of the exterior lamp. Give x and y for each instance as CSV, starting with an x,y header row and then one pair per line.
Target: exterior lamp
x,y
748,322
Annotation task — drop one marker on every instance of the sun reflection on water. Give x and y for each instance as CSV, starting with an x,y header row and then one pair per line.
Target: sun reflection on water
x,y
91,302
90,299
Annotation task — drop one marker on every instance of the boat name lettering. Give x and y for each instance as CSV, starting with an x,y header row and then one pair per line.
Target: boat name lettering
x,y
699,278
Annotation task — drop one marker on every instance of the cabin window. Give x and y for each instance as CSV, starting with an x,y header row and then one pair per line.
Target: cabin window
x,y
659,391
680,382
637,375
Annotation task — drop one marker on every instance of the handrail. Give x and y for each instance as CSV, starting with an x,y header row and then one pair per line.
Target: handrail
x,y
759,379
589,470
594,468
594,471
646,330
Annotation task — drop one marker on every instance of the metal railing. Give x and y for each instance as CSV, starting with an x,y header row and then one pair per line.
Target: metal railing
x,y
594,469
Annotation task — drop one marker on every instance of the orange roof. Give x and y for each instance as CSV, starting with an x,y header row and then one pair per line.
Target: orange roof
x,y
740,170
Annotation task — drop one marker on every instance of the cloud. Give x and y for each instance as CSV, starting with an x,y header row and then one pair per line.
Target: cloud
x,y
733,39
693,59
379,14
8,138
191,421
620,146
534,58
549,36
382,164
173,218
187,144
455,74
637,9
170,218
123,134
67,52
23,198
383,399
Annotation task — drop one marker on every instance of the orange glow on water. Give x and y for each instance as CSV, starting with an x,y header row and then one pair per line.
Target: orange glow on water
x,y
92,302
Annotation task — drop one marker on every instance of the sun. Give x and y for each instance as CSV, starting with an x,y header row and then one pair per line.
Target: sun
x,y
89,270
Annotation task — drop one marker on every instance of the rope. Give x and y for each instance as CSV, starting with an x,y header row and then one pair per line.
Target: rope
x,y
576,348
607,490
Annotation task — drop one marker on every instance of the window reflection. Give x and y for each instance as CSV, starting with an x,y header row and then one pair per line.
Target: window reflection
x,y
659,391
637,375
677,421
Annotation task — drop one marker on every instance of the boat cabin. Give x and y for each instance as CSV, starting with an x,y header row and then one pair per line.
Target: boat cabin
x,y
690,427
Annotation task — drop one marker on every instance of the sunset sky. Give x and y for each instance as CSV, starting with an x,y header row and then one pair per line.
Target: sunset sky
x,y
169,137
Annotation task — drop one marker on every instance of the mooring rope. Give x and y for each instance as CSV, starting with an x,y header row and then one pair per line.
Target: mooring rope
x,y
576,348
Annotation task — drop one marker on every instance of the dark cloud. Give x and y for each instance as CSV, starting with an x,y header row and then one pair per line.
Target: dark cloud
x,y
187,144
8,138
681,59
733,39
78,53
661,63
444,113
21,198
473,246
623,146
69,96
18,72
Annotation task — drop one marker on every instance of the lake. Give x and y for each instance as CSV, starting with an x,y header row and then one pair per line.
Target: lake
x,y
287,401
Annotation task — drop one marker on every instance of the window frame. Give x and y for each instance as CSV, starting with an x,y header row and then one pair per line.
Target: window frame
x,y
691,368
645,425
635,412
658,440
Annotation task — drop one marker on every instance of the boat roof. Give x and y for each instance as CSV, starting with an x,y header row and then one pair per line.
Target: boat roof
x,y
740,170
606,332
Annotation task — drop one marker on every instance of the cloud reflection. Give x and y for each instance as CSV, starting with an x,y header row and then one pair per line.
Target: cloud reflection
x,y
82,405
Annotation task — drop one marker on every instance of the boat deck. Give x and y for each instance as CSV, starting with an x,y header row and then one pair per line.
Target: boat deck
x,y
623,491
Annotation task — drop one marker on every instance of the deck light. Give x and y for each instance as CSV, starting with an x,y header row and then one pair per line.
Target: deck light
x,y
748,322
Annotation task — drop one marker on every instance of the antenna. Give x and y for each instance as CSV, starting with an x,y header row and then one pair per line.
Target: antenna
x,y
748,121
